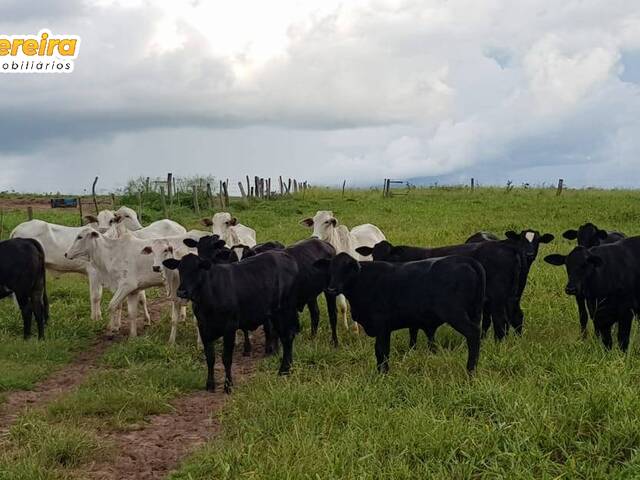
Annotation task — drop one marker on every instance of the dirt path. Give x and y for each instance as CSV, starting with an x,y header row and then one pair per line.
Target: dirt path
x,y
61,381
156,449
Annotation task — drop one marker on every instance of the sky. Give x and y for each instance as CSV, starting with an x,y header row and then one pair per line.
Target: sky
x,y
326,91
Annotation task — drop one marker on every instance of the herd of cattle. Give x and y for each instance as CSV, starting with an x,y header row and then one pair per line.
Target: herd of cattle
x,y
234,283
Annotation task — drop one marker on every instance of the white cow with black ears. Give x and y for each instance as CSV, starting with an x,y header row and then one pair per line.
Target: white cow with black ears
x,y
228,229
326,227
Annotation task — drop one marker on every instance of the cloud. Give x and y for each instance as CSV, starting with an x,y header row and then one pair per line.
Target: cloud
x,y
361,91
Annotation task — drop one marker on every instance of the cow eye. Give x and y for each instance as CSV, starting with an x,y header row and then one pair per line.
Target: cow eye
x,y
79,237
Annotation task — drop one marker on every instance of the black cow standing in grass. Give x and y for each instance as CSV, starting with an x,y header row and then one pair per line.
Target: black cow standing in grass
x,y
22,272
608,278
502,263
588,235
243,295
312,282
528,242
385,297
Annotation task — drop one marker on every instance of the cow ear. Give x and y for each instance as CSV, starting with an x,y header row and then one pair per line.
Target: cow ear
x,y
322,264
147,250
383,250
117,218
207,222
511,235
555,259
94,234
364,251
570,234
171,263
170,249
219,244
190,242
334,221
233,222
595,260
204,265
91,219
602,234
307,222
546,238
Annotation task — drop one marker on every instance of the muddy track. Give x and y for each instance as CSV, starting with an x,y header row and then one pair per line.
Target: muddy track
x,y
158,447
58,383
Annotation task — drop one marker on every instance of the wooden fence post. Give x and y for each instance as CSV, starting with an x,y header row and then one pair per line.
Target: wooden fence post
x,y
30,213
164,202
344,184
221,195
146,185
269,188
472,184
225,186
281,185
113,201
93,193
170,191
248,186
560,185
196,205
244,195
80,210
209,196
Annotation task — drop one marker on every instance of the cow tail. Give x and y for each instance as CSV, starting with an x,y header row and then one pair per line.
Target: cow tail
x,y
480,291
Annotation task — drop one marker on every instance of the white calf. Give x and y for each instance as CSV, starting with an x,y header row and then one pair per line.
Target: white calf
x,y
120,268
326,227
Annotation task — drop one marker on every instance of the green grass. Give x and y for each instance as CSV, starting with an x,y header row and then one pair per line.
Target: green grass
x,y
547,405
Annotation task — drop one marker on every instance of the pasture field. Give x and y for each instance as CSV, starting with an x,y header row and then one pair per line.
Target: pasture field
x,y
546,405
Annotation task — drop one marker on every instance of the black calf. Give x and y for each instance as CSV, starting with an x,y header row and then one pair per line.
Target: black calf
x,y
22,272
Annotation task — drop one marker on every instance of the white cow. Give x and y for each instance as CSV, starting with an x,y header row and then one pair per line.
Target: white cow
x,y
120,268
229,230
326,227
172,247
158,229
107,218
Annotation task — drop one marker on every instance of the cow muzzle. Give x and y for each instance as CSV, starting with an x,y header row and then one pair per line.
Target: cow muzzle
x,y
156,269
570,290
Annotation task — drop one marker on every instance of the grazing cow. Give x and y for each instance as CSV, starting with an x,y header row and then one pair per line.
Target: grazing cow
x,y
326,227
229,230
528,241
23,273
608,278
386,296
163,249
502,263
588,235
119,267
244,295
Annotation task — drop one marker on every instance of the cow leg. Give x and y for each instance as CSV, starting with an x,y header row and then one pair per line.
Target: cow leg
x,y
472,334
603,323
333,316
499,320
625,319
246,350
115,309
270,339
286,338
383,345
199,338
132,311
142,298
517,317
210,355
592,309
486,321
582,315
314,313
183,313
95,294
27,313
229,342
175,313
38,307
413,337
341,303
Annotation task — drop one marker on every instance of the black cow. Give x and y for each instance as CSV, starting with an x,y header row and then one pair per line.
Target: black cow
x,y
243,295
528,242
588,235
608,278
256,249
423,294
502,263
22,272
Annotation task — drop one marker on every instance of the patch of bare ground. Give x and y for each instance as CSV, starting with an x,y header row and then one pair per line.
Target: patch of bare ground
x,y
156,448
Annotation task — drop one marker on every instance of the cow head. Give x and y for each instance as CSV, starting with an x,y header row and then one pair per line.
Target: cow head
x,y
588,235
83,244
191,269
381,252
242,251
581,266
210,247
342,270
322,223
161,250
128,218
529,241
220,223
